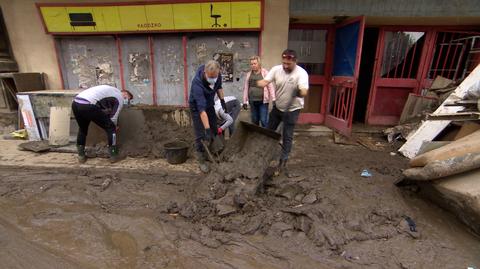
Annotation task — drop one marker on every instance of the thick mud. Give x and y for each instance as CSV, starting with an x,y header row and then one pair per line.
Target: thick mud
x,y
236,217
143,133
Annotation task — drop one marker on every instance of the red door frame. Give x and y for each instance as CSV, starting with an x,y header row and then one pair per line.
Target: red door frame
x,y
421,81
319,80
377,81
345,127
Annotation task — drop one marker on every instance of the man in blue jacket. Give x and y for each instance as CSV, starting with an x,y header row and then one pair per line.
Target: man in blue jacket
x,y
206,83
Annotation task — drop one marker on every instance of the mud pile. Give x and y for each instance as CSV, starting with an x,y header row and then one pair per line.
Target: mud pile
x,y
158,129
241,197
144,131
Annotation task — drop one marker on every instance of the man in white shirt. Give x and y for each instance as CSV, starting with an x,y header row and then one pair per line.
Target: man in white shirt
x,y
101,104
227,120
291,86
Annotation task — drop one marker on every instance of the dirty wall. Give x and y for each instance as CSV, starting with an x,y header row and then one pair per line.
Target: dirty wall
x,y
93,60
232,51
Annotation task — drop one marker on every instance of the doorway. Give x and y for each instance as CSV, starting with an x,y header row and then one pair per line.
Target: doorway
x,y
367,64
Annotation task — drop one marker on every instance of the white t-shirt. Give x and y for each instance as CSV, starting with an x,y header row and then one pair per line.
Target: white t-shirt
x,y
107,96
286,84
226,119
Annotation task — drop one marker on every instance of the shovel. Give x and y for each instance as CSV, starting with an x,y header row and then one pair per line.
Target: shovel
x,y
209,153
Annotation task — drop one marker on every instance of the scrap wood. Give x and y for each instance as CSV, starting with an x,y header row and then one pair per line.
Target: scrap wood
x,y
344,140
444,168
440,83
369,143
459,116
430,129
467,129
465,145
416,107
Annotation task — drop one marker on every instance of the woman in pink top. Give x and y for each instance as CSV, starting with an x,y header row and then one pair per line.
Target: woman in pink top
x,y
257,98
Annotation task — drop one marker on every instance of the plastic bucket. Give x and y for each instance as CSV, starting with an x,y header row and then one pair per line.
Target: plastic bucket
x,y
176,152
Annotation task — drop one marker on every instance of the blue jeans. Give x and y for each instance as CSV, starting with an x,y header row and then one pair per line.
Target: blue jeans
x,y
289,120
259,113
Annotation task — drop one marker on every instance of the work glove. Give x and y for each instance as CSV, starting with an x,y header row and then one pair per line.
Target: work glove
x,y
245,106
224,105
219,131
208,136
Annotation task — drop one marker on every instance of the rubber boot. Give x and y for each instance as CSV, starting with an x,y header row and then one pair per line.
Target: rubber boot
x,y
114,154
82,158
202,162
282,169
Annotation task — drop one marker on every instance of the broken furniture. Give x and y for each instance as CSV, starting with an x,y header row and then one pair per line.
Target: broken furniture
x,y
13,83
431,129
37,104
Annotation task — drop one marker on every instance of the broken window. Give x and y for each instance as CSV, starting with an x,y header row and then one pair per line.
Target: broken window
x,y
401,54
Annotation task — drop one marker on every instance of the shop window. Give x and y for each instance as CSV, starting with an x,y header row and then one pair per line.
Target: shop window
x,y
401,54
310,45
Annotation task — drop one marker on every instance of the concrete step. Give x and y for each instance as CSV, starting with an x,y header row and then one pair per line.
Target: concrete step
x,y
459,194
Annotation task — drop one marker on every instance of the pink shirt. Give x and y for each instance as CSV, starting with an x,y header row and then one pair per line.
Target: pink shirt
x,y
268,91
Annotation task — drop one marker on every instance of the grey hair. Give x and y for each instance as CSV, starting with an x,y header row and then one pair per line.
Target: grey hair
x,y
256,58
212,66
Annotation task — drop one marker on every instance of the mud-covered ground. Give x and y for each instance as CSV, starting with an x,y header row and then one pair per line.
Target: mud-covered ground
x,y
326,217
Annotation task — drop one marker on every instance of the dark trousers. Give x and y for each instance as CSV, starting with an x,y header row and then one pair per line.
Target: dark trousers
x,y
289,120
84,114
233,108
259,113
198,127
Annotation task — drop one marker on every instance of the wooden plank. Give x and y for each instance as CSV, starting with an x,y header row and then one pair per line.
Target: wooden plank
x,y
338,138
439,83
461,116
430,129
468,144
369,143
467,128
415,106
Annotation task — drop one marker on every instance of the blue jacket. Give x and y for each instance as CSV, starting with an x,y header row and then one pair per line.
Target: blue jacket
x,y
201,95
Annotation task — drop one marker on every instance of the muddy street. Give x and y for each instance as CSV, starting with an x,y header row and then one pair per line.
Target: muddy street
x,y
326,217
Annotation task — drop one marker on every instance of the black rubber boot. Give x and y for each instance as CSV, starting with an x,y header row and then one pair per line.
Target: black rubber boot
x,y
114,154
282,169
202,162
82,158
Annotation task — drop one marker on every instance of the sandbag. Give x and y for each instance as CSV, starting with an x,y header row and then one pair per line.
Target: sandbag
x,y
463,146
444,168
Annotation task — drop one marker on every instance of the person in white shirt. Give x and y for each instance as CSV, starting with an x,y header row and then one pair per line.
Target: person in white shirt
x,y
227,120
101,104
291,86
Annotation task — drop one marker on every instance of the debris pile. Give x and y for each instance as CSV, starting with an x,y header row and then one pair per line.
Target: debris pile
x,y
445,150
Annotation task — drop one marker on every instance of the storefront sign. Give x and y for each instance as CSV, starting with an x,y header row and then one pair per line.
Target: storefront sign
x,y
151,17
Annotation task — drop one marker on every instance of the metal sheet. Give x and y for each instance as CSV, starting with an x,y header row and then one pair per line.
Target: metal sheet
x,y
203,47
137,72
169,68
89,61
